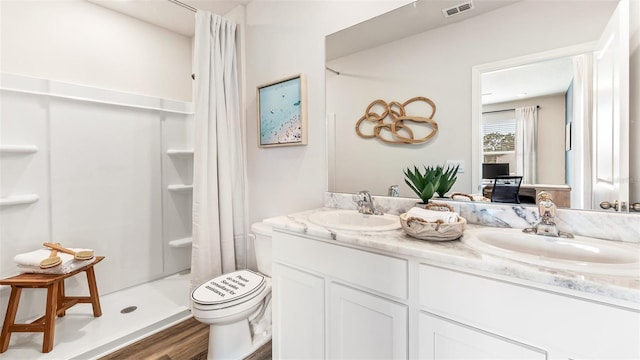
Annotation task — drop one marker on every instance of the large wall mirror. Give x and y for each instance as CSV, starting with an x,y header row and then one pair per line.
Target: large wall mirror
x,y
454,64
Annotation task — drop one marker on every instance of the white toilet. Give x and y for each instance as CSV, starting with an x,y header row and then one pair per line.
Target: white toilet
x,y
237,305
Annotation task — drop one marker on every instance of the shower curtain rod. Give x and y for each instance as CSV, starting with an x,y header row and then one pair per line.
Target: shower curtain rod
x,y
495,111
188,7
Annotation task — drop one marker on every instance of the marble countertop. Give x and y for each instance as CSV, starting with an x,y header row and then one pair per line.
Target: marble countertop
x,y
617,290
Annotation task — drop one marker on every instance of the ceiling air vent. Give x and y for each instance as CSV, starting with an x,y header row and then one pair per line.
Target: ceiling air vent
x,y
455,10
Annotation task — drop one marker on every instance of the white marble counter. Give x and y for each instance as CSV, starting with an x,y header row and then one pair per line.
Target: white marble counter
x,y
624,291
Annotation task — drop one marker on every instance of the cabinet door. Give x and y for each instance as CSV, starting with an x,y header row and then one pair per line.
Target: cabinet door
x,y
298,314
365,326
443,339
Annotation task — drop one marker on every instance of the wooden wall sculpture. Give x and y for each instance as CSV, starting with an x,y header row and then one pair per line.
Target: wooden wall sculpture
x,y
398,122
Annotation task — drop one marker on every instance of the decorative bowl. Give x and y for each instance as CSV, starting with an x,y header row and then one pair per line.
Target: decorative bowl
x,y
432,231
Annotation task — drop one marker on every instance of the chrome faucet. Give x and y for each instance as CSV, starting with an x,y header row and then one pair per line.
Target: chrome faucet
x,y
547,211
365,203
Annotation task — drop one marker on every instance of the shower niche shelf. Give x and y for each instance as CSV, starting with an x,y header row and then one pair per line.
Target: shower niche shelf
x,y
19,200
18,149
180,243
180,187
180,152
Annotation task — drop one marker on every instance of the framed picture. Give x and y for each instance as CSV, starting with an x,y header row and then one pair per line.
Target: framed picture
x,y
282,112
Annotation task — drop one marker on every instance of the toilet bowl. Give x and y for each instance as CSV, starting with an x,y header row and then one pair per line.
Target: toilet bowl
x,y
237,305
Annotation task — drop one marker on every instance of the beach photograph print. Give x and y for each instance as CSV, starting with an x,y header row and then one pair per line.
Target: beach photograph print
x,y
282,112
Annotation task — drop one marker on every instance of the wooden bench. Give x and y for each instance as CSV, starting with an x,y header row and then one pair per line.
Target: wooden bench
x,y
57,303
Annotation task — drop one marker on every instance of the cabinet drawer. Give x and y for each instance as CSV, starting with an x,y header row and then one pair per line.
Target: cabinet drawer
x,y
384,274
568,325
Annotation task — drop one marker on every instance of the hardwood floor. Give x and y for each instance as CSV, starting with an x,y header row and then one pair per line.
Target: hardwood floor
x,y
187,340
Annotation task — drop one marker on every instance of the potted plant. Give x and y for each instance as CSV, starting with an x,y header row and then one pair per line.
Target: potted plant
x,y
434,180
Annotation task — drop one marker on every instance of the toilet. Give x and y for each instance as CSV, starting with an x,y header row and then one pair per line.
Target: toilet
x,y
237,305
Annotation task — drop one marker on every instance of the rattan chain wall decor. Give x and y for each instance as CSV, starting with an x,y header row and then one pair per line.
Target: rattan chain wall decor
x,y
389,132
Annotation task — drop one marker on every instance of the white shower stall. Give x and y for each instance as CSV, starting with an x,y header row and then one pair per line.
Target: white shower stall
x,y
99,169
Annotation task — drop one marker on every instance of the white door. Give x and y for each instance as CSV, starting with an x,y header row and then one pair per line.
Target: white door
x,y
611,112
365,326
298,314
443,339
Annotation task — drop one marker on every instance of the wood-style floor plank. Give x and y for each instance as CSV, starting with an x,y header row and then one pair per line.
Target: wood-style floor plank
x,y
187,340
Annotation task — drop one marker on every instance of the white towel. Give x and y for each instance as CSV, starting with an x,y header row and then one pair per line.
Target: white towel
x,y
30,262
60,269
432,215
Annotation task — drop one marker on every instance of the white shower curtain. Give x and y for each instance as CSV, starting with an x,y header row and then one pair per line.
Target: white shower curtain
x,y
526,143
218,184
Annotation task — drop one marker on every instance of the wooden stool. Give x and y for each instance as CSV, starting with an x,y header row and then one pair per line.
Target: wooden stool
x,y
57,303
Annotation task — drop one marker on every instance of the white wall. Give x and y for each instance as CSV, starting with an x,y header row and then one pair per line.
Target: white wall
x,y
79,42
437,64
286,38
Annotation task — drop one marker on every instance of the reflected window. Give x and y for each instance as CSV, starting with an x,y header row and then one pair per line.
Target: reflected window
x,y
499,140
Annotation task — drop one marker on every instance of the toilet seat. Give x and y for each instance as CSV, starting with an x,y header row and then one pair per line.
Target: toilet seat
x,y
229,290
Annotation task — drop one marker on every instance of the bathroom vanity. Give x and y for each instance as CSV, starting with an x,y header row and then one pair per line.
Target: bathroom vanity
x,y
357,294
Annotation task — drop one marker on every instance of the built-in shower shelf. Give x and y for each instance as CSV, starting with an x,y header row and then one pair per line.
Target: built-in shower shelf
x,y
180,243
18,200
18,149
180,187
180,152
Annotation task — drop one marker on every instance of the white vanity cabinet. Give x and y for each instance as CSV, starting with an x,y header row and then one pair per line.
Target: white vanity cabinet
x,y
462,314
336,302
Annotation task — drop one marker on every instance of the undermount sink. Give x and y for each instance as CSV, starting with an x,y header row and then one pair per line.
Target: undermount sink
x,y
579,253
355,221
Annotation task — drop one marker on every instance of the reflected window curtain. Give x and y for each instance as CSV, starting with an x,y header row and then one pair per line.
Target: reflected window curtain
x,y
219,180
526,143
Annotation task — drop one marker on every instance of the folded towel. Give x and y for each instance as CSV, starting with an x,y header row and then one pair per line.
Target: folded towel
x,y
31,260
63,268
432,215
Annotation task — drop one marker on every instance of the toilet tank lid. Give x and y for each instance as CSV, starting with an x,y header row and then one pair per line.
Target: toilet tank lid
x,y
228,287
261,228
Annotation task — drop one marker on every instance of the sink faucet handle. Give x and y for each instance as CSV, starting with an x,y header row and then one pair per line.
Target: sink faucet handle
x,y
365,203
547,211
546,207
544,196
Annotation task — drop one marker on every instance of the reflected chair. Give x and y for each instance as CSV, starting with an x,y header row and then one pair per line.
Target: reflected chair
x,y
506,189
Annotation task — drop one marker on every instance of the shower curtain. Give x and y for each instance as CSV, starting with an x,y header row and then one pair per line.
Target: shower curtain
x,y
526,143
218,182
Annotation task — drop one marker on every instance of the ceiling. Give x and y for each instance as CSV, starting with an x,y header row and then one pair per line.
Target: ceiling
x,y
415,18
420,16
523,82
423,15
168,15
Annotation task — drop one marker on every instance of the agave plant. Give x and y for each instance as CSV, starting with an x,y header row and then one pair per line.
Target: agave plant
x,y
434,180
448,177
